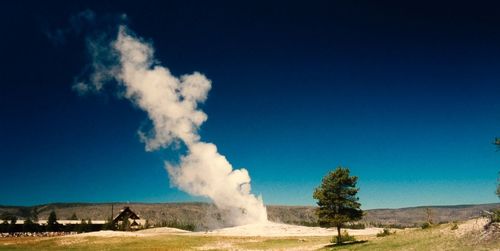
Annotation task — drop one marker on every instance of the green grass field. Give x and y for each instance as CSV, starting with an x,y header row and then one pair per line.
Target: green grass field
x,y
437,238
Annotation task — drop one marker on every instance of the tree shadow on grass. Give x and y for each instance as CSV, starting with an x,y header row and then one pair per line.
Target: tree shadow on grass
x,y
345,244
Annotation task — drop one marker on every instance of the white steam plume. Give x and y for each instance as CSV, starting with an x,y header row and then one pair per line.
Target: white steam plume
x,y
172,105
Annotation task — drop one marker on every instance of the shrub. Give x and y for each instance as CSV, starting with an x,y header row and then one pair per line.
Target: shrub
x,y
384,232
344,237
82,227
304,223
125,226
393,225
496,216
109,225
356,226
177,224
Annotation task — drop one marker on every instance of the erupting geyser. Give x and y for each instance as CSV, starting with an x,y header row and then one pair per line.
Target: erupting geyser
x,y
172,105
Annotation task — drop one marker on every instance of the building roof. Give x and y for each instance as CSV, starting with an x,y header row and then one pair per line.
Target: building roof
x,y
126,213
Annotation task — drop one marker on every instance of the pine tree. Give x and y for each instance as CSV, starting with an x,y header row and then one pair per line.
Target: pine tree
x,y
52,224
337,201
73,217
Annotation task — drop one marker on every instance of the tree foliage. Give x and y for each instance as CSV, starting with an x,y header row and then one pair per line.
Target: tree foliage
x,y
29,226
337,200
34,214
110,225
73,217
498,185
6,216
4,227
52,224
429,214
497,143
125,226
82,227
12,226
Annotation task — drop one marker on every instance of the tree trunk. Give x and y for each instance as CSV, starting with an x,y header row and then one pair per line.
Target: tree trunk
x,y
339,236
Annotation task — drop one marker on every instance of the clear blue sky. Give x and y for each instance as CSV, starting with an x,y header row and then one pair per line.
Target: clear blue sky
x,y
406,96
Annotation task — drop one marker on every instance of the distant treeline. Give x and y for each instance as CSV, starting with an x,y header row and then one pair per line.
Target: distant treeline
x,y
177,224
38,228
9,225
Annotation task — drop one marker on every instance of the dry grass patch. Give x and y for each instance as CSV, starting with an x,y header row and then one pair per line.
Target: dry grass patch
x,y
165,242
439,237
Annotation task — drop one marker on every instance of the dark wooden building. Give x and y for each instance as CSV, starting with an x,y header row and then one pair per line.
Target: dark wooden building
x,y
127,214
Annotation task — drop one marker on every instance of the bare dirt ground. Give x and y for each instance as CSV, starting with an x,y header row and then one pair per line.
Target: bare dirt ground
x,y
479,230
268,229
234,237
272,229
474,225
163,230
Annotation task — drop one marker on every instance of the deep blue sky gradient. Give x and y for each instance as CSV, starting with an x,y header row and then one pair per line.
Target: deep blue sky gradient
x,y
406,95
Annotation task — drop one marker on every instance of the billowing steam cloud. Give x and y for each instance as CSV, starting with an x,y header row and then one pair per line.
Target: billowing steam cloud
x,y
172,105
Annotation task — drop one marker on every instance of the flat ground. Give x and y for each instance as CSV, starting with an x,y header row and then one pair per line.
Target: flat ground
x,y
469,236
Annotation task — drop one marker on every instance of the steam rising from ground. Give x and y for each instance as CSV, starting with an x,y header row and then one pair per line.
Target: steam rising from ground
x,y
172,106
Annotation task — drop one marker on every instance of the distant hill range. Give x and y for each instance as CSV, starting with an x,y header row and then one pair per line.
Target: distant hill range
x,y
205,214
